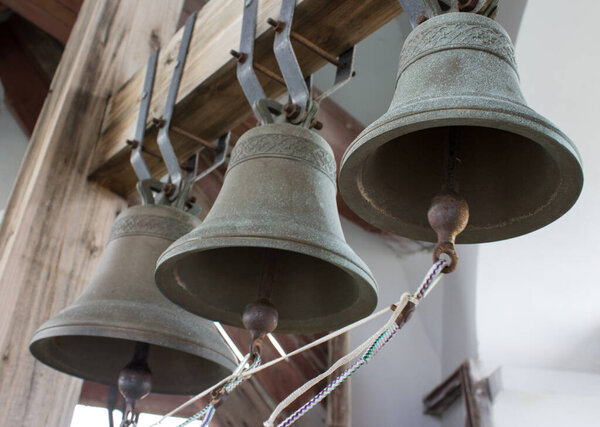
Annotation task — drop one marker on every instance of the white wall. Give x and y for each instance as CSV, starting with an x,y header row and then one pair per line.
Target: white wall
x,y
13,144
538,397
538,299
388,391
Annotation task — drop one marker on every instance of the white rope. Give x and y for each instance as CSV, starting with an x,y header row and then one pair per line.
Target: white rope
x,y
341,362
320,341
431,279
251,372
236,374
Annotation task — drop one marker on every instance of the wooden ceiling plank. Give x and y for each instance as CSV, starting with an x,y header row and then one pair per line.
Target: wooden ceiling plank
x,y
210,100
49,15
25,87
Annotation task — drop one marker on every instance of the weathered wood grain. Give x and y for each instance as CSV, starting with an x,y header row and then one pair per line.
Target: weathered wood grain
x,y
210,100
339,413
57,222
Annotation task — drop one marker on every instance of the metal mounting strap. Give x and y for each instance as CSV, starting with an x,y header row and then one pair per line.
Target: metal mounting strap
x,y
245,67
137,161
164,142
343,73
220,156
288,63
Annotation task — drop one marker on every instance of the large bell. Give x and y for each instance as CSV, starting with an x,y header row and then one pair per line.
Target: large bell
x,y
95,337
516,170
274,232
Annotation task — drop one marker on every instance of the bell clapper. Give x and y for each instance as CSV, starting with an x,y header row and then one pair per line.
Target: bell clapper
x,y
135,382
448,213
261,317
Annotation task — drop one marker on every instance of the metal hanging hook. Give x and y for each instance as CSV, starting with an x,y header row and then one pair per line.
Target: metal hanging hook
x,y
164,123
301,109
147,186
245,57
288,64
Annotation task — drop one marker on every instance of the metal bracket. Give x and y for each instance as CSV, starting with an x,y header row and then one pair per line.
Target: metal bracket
x,y
245,57
137,143
288,63
468,383
219,160
343,73
302,108
164,142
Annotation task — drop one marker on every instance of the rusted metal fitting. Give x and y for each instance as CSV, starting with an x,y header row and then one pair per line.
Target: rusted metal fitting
x,y
277,25
260,318
405,314
169,189
218,397
291,111
132,143
317,125
448,215
240,57
158,122
467,5
421,18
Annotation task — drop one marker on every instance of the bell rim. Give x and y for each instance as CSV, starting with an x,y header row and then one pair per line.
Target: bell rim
x,y
368,288
42,339
507,116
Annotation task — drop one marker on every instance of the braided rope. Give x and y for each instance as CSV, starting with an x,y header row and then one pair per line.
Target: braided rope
x,y
383,339
209,409
430,280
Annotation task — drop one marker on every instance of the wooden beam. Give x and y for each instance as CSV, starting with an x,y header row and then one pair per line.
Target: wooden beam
x,y
210,100
57,221
53,16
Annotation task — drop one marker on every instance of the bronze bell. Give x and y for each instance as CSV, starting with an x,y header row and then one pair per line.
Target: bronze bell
x,y
95,337
273,233
458,87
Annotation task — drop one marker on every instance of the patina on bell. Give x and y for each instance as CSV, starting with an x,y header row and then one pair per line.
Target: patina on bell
x,y
274,232
516,170
95,337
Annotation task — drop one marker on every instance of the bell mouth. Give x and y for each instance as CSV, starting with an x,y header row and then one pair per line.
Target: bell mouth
x,y
100,359
312,293
515,178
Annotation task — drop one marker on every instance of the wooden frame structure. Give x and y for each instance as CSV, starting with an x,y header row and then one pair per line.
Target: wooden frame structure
x,y
58,220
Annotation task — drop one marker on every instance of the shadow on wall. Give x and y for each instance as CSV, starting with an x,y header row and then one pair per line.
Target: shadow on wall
x,y
13,144
439,337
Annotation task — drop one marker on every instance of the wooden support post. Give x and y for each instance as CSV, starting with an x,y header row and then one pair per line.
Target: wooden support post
x,y
210,100
57,222
339,412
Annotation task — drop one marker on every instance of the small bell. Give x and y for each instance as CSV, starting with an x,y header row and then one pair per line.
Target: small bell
x,y
458,76
273,234
122,314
